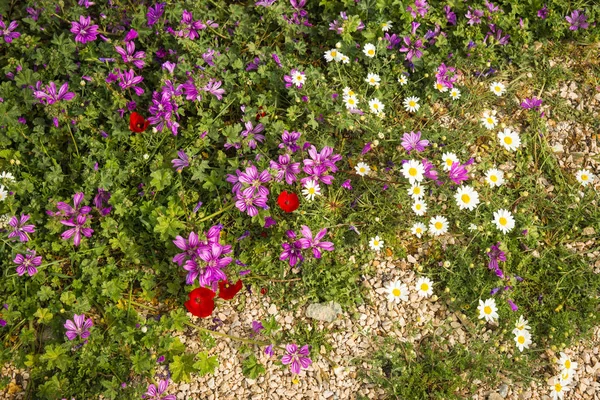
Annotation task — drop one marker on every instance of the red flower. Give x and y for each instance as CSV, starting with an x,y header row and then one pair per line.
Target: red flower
x,y
201,302
137,123
227,291
288,201
260,114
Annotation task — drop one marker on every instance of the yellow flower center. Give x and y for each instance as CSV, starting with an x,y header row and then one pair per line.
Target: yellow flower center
x,y
449,162
424,287
487,310
568,364
376,243
584,177
438,225
371,52
417,190
493,178
311,191
498,89
557,387
299,77
418,206
521,339
412,171
508,140
376,106
350,101
362,170
396,292
419,230
489,120
412,103
502,221
465,198
333,53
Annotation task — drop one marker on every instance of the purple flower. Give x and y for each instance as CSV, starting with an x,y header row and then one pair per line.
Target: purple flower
x,y
169,66
458,173
412,48
248,202
257,327
77,229
494,291
533,102
512,305
208,264
27,263
7,32
450,15
577,20
253,65
155,393
213,87
393,40
420,8
85,3
543,12
474,16
129,55
297,359
188,246
128,80
292,252
308,242
264,3
20,229
78,327
269,222
2,322
252,134
154,13
208,57
131,35
33,13
347,185
160,359
289,140
295,78
412,141
443,75
102,197
269,350
276,59
67,211
190,27
286,169
366,148
48,95
495,255
180,163
491,7
496,33
84,32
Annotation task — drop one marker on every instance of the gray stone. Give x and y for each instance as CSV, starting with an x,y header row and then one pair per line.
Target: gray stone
x,y
494,396
324,311
503,390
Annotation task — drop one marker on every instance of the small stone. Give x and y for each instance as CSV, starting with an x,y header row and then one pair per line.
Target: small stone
x,y
503,390
324,311
272,309
494,396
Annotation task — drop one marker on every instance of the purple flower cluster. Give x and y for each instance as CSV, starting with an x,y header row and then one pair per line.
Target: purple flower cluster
x,y
27,263
288,141
419,8
76,216
496,33
339,27
189,27
446,75
293,251
127,80
249,190
203,259
299,16
48,95
155,12
156,393
320,165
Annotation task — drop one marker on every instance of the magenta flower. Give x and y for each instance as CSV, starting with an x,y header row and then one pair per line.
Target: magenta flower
x,y
289,140
180,163
458,173
450,15
285,168
188,246
155,393
27,263
83,30
248,202
297,359
495,255
512,305
292,252
77,229
102,197
128,80
577,19
474,16
48,95
254,181
420,8
268,350
129,55
67,211
252,134
85,3
208,264
543,12
347,184
20,229
154,13
78,327
531,103
308,242
412,141
412,48
8,32
214,87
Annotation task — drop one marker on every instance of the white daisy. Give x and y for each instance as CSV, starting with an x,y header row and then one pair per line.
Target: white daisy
x,y
411,104
348,92
3,193
488,310
449,159
373,79
331,55
298,78
402,80
584,177
522,339
362,169
418,229
351,102
454,94
521,325
566,377
386,26
438,225
440,87
494,177
344,58
369,50
376,106
466,198
413,171
510,140
504,220
489,120
397,291
558,389
7,176
566,364
311,189
416,191
424,287
497,88
376,243
419,207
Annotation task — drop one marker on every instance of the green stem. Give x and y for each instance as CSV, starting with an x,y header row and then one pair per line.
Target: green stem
x,y
217,213
73,137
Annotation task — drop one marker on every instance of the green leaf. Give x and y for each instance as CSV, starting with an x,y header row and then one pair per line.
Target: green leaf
x,y
160,179
181,367
67,298
178,319
206,365
141,362
56,357
43,315
251,368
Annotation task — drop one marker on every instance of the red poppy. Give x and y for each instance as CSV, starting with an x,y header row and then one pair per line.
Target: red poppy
x,y
260,114
264,291
227,291
201,302
288,201
137,123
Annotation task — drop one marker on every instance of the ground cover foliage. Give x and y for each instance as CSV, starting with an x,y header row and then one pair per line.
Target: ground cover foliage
x,y
237,102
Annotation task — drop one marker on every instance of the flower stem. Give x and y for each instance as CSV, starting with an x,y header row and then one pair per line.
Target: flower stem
x,y
217,213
